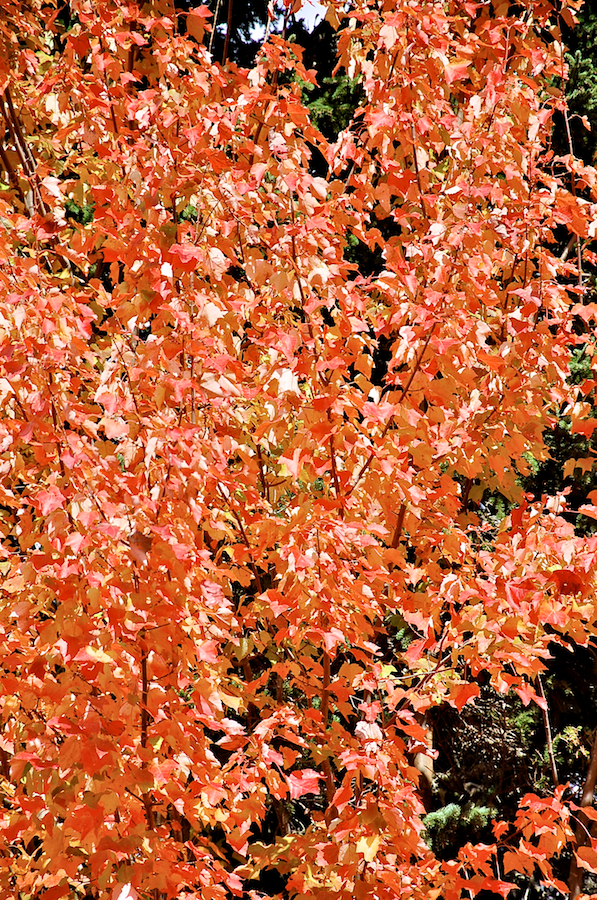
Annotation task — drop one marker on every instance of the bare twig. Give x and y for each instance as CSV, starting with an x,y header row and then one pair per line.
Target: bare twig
x,y
214,26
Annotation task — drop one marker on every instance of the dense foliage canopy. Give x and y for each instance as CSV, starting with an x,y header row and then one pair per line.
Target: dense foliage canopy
x,y
280,378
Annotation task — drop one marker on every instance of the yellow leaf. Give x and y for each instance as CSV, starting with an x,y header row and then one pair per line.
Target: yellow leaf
x,y
369,846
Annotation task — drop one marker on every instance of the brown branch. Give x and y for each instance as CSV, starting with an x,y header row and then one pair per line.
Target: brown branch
x,y
394,546
16,133
22,148
5,764
260,127
405,391
335,475
418,175
12,175
547,726
130,62
252,709
573,240
112,113
398,529
264,484
325,693
571,151
144,694
575,878
246,542
256,290
414,138
325,711
214,25
147,803
228,30
298,274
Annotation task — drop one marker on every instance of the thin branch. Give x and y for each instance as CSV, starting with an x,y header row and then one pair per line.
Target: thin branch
x,y
335,475
325,708
405,391
547,725
568,247
571,151
147,802
264,484
112,113
246,541
22,148
298,274
398,529
144,693
394,546
214,26
228,30
325,694
16,133
418,176
12,175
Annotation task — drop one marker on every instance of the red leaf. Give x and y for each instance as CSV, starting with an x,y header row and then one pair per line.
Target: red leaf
x,y
587,858
50,500
461,695
303,782
187,256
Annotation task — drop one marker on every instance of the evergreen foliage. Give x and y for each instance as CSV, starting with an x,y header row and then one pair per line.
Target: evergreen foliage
x,y
581,85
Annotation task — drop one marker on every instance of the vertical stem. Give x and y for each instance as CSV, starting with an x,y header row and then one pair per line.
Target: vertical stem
x,y
228,29
571,151
394,546
398,529
22,149
144,694
12,175
547,725
414,140
297,272
145,728
418,175
5,764
405,389
575,878
252,709
214,26
264,484
112,113
325,694
335,474
246,542
325,709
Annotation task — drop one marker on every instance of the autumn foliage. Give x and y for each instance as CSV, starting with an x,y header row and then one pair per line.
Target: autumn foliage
x,y
220,501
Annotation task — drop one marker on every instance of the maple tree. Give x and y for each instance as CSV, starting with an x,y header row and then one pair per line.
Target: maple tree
x,y
243,542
